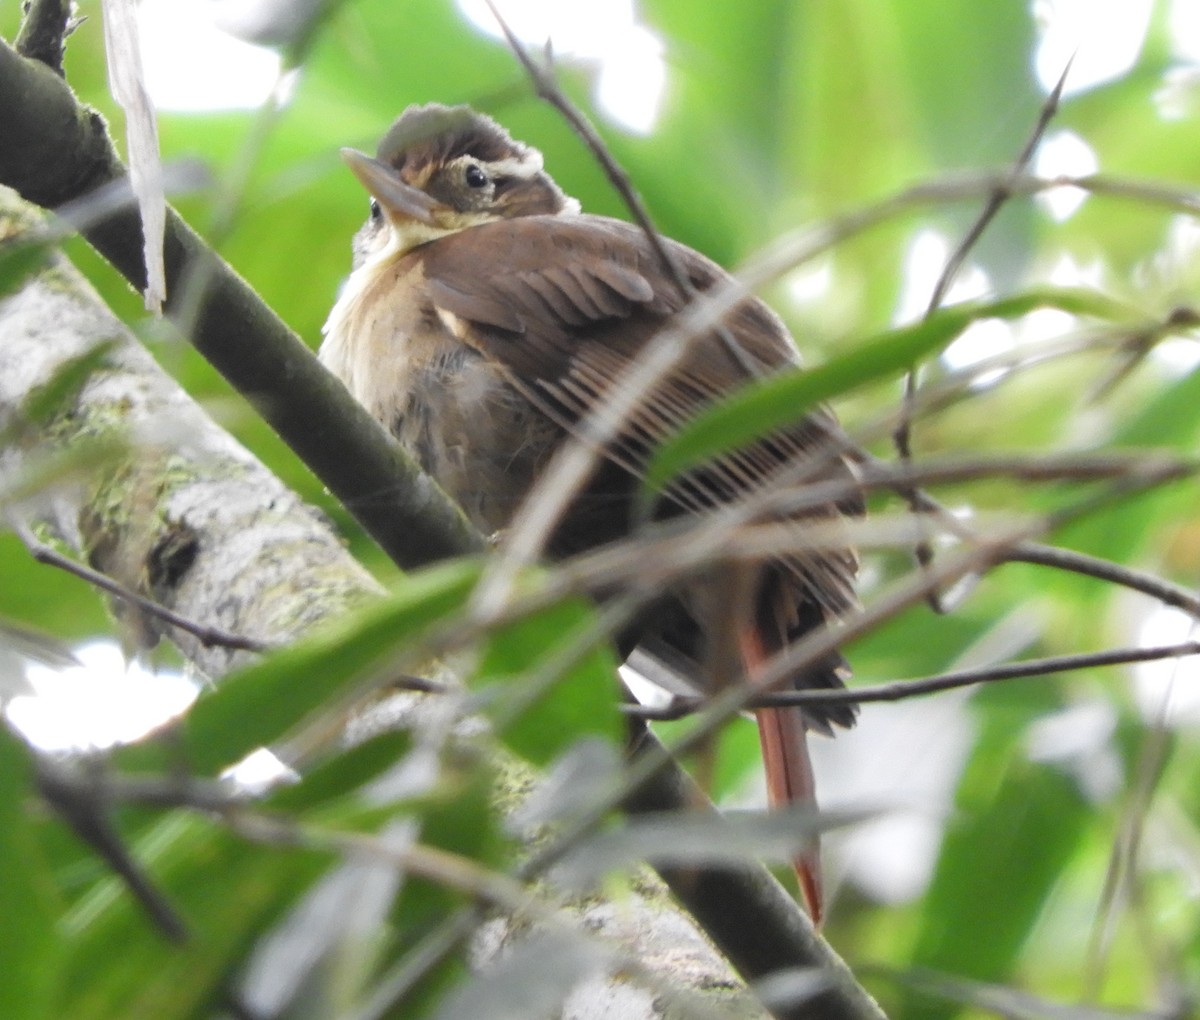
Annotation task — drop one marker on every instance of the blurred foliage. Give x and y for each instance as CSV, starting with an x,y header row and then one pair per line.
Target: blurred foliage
x,y
778,114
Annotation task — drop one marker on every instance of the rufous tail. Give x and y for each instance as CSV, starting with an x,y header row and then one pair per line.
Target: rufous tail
x,y
783,736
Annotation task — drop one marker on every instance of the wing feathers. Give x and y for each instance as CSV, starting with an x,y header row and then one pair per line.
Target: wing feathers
x,y
474,306
566,327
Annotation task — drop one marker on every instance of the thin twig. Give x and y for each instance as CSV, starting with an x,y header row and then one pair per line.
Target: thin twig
x,y
1121,873
545,84
79,793
1002,1001
902,436
419,684
1069,560
668,552
899,690
1000,194
1053,467
1138,344
1105,570
988,552
206,635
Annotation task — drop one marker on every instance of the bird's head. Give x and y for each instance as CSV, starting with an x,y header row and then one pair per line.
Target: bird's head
x,y
441,169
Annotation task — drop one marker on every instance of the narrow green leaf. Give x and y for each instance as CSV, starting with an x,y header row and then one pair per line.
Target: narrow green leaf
x,y
53,396
684,839
344,773
228,891
256,706
781,400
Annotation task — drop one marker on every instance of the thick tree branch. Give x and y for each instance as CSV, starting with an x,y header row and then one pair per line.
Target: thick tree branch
x,y
180,513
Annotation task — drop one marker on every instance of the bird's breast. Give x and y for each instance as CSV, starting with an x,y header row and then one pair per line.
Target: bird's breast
x,y
447,404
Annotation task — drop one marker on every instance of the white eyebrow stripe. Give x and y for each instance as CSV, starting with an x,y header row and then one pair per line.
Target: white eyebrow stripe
x,y
528,165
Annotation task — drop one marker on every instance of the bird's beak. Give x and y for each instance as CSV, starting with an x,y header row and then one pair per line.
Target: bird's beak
x,y
400,201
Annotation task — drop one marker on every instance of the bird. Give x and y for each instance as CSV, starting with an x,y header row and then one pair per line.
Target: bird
x,y
485,315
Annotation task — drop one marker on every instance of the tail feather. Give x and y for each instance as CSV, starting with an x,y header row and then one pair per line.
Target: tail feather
x,y
783,733
783,736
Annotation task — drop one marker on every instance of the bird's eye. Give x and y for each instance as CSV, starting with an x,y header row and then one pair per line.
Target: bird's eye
x,y
376,211
475,176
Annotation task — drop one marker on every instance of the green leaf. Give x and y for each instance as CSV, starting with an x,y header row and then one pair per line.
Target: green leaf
x,y
344,772
56,394
544,709
464,822
227,892
258,705
1019,823
784,399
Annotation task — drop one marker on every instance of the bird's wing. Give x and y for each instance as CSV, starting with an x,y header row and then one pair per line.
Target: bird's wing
x,y
566,323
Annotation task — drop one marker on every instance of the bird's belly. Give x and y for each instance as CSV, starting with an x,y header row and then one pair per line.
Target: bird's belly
x,y
478,437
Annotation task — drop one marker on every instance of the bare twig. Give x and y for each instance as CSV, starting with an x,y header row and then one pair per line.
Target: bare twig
x,y
420,684
1138,344
902,436
209,636
1105,570
898,690
1071,561
799,246
1006,1002
986,552
545,86
78,792
668,552
1000,194
1121,874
